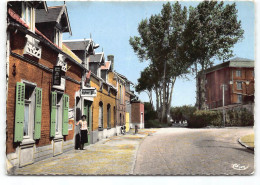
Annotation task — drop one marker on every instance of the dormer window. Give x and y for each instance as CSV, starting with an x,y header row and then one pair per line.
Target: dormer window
x,y
57,37
28,15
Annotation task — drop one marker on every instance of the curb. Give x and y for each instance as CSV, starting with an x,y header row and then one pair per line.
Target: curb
x,y
135,155
244,145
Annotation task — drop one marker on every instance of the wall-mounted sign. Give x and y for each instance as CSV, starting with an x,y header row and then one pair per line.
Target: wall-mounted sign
x,y
71,113
56,75
61,62
61,86
89,92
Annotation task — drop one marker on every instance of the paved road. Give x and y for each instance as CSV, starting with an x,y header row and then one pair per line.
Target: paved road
x,y
182,151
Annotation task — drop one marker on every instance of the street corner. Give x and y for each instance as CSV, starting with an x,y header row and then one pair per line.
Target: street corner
x,y
248,141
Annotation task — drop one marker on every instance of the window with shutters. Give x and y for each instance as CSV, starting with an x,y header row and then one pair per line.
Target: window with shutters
x,y
27,112
58,121
29,108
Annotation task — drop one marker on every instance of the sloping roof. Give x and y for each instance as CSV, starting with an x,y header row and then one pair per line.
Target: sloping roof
x,y
106,66
241,62
54,14
235,62
238,59
96,58
77,45
66,50
18,19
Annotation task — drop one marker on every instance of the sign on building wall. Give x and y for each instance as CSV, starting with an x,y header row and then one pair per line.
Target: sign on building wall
x,y
61,86
89,92
61,62
71,113
56,75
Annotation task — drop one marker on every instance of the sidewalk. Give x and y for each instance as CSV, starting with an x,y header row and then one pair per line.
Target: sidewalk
x,y
248,141
113,156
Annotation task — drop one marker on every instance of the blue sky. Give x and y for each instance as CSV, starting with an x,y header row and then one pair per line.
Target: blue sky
x,y
112,23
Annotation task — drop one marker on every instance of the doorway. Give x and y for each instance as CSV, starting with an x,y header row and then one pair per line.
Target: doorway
x,y
87,110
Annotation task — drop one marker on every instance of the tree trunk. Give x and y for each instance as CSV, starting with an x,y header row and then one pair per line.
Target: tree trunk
x,y
170,99
164,94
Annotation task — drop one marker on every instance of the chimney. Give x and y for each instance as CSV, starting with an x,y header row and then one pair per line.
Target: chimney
x,y
111,58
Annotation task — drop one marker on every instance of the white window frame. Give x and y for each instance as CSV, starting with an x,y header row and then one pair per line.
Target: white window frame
x,y
59,114
100,116
25,15
57,37
32,104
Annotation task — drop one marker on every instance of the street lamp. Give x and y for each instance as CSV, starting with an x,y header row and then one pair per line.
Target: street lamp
x,y
223,94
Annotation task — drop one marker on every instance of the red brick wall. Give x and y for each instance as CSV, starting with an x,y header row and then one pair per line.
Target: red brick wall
x,y
135,112
214,94
32,73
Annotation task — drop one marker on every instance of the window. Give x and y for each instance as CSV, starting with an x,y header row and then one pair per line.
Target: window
x,y
120,119
238,73
239,98
239,85
59,114
29,104
100,116
57,37
58,123
28,15
114,116
27,111
108,116
120,94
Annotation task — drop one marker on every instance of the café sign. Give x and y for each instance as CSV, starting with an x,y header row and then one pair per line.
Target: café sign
x,y
89,92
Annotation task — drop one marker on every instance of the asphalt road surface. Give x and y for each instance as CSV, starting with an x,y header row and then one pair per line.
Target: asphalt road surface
x,y
182,151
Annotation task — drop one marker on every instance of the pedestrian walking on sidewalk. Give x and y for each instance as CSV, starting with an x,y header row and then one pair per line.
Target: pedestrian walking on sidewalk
x,y
83,131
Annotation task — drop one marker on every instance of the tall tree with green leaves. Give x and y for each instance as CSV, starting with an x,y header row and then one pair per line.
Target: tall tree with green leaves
x,y
211,32
161,43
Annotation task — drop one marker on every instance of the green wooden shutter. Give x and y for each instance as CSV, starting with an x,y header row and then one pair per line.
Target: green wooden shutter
x,y
65,120
19,112
38,113
53,113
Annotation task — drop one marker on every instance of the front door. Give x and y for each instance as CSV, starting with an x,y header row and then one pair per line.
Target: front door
x,y
88,112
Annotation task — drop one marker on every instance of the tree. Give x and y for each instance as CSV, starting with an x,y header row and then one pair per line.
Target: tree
x,y
161,43
211,32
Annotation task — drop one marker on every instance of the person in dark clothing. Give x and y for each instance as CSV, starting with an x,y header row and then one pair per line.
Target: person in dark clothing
x,y
83,131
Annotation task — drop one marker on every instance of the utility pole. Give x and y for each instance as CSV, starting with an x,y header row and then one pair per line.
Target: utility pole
x,y
223,110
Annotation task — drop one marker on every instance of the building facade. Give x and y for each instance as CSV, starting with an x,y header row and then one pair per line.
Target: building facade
x,y
51,83
39,120
236,76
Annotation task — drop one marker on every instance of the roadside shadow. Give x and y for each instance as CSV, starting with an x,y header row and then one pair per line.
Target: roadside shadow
x,y
235,148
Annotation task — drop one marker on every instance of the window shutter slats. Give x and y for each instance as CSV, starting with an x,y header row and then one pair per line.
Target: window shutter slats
x,y
65,120
38,113
53,113
19,112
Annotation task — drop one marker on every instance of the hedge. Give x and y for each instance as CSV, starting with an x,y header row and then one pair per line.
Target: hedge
x,y
203,118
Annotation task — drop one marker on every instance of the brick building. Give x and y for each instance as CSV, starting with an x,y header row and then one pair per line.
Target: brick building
x,y
137,116
39,123
237,76
42,108
103,104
